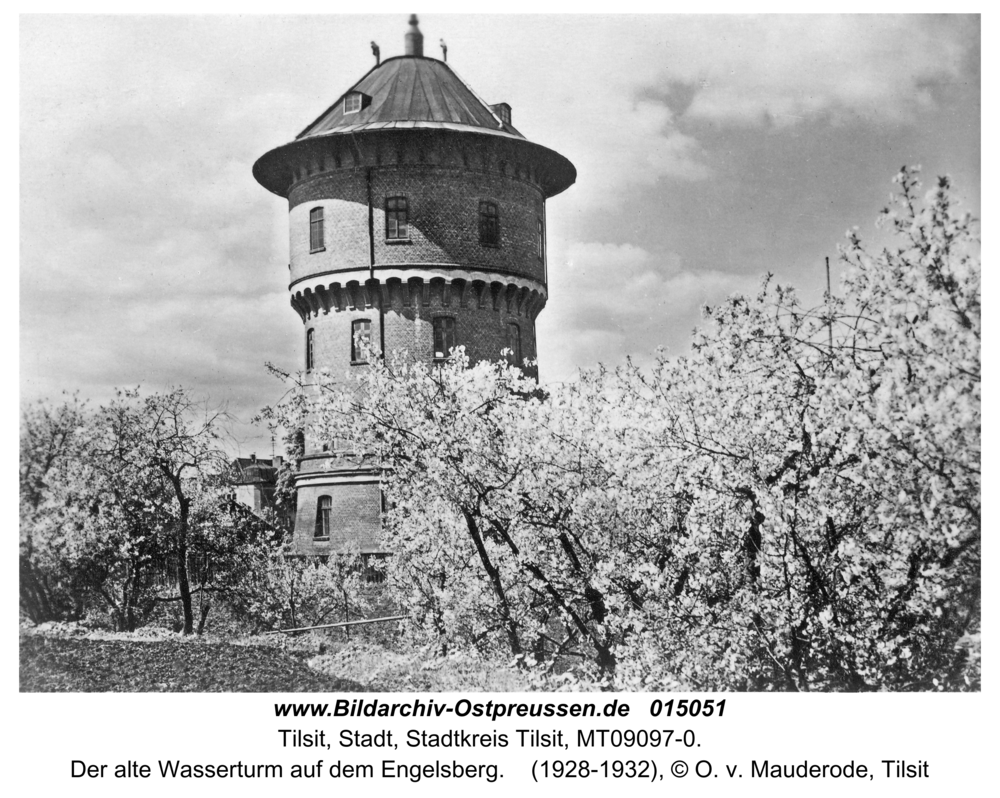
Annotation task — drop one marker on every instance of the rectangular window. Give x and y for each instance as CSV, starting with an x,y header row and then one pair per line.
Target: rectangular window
x,y
310,353
540,229
352,102
316,230
361,338
444,337
514,343
324,508
489,224
396,219
374,571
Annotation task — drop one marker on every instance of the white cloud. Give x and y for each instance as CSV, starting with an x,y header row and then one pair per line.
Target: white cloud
x,y
638,146
607,103
607,301
785,69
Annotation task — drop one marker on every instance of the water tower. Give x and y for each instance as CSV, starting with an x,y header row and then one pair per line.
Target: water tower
x,y
416,221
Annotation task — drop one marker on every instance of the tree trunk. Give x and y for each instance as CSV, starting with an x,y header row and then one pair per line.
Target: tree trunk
x,y
183,584
494,575
204,616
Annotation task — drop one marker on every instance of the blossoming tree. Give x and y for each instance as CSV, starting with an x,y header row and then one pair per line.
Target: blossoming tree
x,y
793,505
129,506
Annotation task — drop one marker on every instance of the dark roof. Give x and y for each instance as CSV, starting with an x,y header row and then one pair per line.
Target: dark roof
x,y
411,92
251,522
249,471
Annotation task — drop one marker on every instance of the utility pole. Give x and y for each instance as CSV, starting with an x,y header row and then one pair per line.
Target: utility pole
x,y
829,312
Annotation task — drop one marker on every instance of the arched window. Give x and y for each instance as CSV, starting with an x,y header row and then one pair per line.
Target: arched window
x,y
310,348
397,218
316,230
489,224
361,338
444,337
324,508
540,229
514,343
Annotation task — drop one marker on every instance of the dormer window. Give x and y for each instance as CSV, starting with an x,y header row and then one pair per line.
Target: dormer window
x,y
503,111
355,101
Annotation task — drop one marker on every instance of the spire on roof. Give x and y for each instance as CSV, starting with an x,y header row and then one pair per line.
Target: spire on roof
x,y
414,38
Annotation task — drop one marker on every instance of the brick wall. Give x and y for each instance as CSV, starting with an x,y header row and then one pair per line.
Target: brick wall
x,y
443,207
354,517
482,331
344,200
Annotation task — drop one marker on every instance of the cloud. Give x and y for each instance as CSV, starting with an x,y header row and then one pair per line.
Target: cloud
x,y
628,99
639,147
611,300
782,70
149,255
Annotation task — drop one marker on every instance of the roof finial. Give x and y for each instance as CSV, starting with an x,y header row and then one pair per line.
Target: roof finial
x,y
375,52
444,49
414,38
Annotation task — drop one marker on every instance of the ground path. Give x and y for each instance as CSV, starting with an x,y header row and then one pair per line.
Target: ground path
x,y
81,665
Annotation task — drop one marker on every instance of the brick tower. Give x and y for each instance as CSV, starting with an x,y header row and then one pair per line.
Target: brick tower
x,y
417,221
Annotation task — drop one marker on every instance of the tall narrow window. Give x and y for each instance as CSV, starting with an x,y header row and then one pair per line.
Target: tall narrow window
x,y
514,343
540,229
324,508
489,224
310,348
316,230
444,337
361,338
396,219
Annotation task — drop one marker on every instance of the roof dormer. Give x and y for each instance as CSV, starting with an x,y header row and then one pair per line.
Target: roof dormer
x,y
354,101
503,111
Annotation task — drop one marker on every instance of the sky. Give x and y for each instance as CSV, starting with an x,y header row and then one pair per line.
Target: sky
x,y
710,150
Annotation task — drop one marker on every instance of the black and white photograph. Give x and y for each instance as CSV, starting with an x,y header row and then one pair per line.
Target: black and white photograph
x,y
500,353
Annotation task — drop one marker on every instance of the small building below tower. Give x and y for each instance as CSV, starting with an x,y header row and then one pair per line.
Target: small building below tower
x,y
255,482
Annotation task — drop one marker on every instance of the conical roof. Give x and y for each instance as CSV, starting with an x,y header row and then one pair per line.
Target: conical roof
x,y
406,93
410,92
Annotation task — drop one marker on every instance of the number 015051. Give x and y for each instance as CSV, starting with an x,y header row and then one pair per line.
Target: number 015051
x,y
687,707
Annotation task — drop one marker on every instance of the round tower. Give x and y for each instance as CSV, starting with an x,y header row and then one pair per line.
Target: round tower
x,y
416,221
